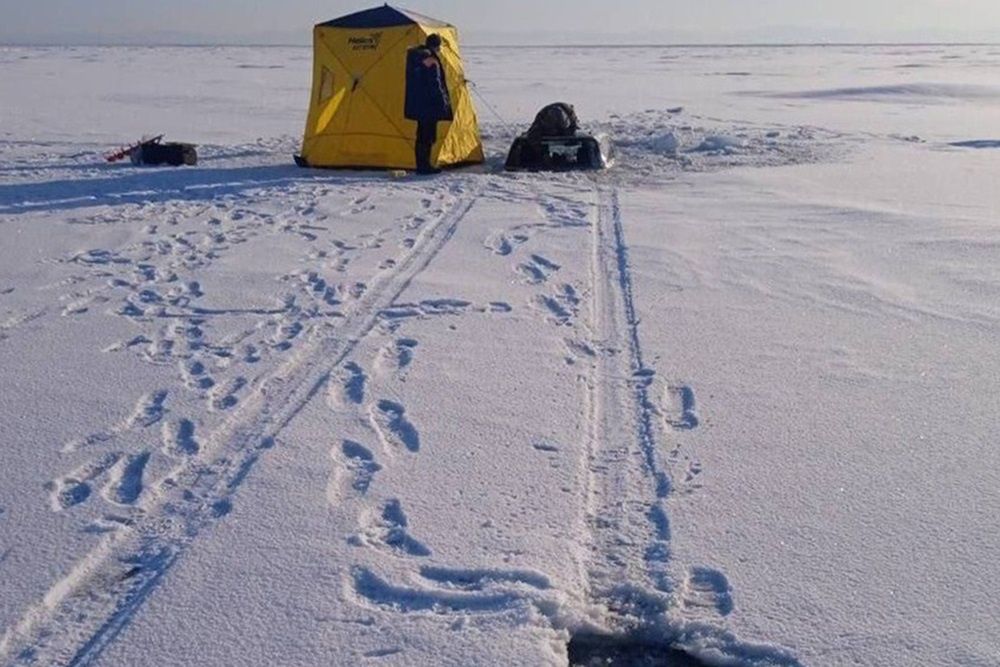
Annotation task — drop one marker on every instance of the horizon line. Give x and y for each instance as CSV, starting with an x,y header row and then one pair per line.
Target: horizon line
x,y
622,45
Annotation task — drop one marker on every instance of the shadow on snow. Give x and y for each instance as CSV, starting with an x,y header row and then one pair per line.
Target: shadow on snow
x,y
596,650
138,186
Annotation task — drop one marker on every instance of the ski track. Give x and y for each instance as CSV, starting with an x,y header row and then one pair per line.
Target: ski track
x,y
624,454
85,611
630,572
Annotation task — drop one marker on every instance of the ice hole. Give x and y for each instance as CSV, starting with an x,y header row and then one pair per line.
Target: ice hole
x,y
595,650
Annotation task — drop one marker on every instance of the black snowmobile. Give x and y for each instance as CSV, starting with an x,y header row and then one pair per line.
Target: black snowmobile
x,y
554,142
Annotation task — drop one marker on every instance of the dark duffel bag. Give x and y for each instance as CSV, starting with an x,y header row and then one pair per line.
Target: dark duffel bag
x,y
554,120
174,154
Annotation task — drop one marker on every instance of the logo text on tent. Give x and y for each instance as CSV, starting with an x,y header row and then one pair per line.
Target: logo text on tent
x,y
368,43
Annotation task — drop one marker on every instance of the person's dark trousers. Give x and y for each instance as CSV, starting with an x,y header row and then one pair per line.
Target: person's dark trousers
x,y
426,136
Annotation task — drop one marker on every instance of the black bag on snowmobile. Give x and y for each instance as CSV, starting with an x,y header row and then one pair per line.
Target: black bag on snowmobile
x,y
555,120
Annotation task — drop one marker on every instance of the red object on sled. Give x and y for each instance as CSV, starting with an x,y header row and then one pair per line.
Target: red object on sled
x,y
126,151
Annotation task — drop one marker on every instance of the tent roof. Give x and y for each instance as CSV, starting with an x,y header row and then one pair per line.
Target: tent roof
x,y
383,17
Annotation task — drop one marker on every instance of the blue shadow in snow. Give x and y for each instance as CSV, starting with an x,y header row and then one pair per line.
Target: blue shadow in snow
x,y
151,184
98,164
977,143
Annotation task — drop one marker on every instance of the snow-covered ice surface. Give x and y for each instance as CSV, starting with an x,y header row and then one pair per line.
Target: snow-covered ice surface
x,y
737,396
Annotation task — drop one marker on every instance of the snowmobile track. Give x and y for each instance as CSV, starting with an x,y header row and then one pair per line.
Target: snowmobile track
x,y
85,611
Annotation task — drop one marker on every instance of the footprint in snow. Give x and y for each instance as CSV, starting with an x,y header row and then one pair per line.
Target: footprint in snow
x,y
691,474
148,410
537,269
126,484
681,408
396,356
444,306
392,426
361,462
347,387
503,245
179,439
705,592
225,396
251,354
195,375
77,487
555,311
388,531
453,590
561,307
578,350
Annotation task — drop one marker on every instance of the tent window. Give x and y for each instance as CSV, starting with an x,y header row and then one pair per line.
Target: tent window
x,y
325,85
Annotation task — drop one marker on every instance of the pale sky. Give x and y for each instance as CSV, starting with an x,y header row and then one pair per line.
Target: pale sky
x,y
509,21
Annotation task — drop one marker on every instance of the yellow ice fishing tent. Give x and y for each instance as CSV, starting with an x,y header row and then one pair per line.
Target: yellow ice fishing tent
x,y
359,89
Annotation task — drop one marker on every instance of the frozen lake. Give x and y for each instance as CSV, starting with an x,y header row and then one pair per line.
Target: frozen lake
x,y
736,397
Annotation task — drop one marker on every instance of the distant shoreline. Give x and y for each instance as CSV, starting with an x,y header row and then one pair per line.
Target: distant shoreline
x,y
756,45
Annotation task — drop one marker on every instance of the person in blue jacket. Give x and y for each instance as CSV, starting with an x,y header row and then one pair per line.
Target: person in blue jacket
x,y
427,98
